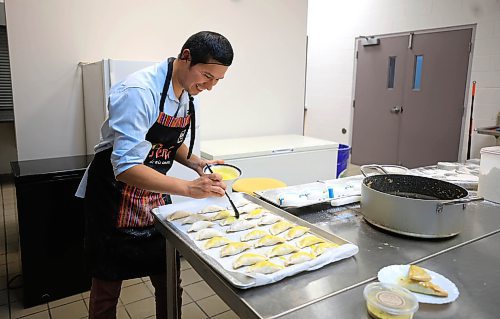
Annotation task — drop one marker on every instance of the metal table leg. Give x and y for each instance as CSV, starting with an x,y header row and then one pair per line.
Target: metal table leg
x,y
172,309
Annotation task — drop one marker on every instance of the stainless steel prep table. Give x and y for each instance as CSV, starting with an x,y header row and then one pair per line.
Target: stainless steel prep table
x,y
377,249
473,268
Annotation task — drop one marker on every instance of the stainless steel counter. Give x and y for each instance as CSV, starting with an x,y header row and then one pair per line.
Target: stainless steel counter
x,y
377,249
473,268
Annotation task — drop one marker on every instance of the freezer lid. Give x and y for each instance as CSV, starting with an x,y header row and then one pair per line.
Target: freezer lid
x,y
226,149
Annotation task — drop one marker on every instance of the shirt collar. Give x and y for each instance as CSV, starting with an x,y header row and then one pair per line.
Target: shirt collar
x,y
171,95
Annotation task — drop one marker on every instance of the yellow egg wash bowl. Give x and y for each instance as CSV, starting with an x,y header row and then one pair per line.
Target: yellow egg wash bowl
x,y
228,172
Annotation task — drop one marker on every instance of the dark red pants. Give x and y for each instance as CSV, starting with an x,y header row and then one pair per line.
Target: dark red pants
x,y
104,297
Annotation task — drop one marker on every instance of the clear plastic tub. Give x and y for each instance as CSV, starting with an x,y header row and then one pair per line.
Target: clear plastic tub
x,y
389,301
489,174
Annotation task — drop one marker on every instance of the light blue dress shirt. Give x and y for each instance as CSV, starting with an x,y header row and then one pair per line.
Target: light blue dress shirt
x,y
134,106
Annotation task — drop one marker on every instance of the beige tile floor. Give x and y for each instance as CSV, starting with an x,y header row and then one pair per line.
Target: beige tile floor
x,y
136,299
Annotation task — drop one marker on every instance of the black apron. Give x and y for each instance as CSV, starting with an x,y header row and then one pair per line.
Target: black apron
x,y
121,241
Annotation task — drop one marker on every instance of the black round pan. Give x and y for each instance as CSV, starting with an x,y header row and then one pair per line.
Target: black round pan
x,y
414,205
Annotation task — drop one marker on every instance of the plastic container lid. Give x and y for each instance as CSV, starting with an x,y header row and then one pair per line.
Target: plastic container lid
x,y
391,299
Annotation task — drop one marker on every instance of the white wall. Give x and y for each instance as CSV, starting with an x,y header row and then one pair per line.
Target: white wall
x,y
48,39
262,93
333,26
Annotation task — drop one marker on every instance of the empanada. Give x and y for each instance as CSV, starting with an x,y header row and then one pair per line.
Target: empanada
x,y
298,258
418,273
423,287
319,249
280,227
216,242
282,249
296,231
254,234
256,213
308,241
212,209
248,208
269,240
221,215
228,221
240,225
243,202
269,219
178,215
193,218
248,259
264,267
199,225
207,233
234,248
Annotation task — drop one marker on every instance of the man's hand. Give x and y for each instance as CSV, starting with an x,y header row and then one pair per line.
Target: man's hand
x,y
194,162
200,165
207,185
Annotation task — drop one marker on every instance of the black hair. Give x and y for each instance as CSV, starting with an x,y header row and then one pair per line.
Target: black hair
x,y
207,45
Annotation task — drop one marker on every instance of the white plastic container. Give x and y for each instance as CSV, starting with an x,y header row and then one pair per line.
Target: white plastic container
x,y
489,174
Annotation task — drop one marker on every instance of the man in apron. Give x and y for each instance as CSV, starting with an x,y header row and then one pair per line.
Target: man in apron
x,y
150,114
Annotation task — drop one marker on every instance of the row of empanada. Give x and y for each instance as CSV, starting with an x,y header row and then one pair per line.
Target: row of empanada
x,y
278,227
254,215
266,218
190,218
239,225
248,209
263,239
318,246
233,248
261,264
249,259
236,225
200,222
293,233
244,206
227,216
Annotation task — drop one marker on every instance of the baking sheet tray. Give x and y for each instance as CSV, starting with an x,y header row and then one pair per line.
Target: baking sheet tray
x,y
314,193
466,175
347,190
239,278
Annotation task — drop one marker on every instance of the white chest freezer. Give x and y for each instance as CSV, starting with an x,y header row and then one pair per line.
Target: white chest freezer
x,y
293,159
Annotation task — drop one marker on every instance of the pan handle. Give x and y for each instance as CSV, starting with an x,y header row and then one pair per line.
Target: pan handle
x,y
439,206
374,167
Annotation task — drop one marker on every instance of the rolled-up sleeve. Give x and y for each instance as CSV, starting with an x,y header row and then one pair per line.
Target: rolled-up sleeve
x,y
131,114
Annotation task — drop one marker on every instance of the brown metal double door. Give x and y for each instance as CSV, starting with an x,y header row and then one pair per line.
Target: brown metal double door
x,y
409,98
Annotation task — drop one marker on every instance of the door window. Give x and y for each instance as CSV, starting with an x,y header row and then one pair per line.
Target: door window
x,y
391,72
417,72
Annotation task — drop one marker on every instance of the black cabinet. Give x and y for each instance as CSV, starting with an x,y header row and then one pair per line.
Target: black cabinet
x,y
51,228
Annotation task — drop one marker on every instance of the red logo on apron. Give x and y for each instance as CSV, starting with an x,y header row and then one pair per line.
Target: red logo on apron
x,y
160,155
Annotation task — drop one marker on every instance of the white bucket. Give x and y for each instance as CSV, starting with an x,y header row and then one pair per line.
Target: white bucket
x,y
489,174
